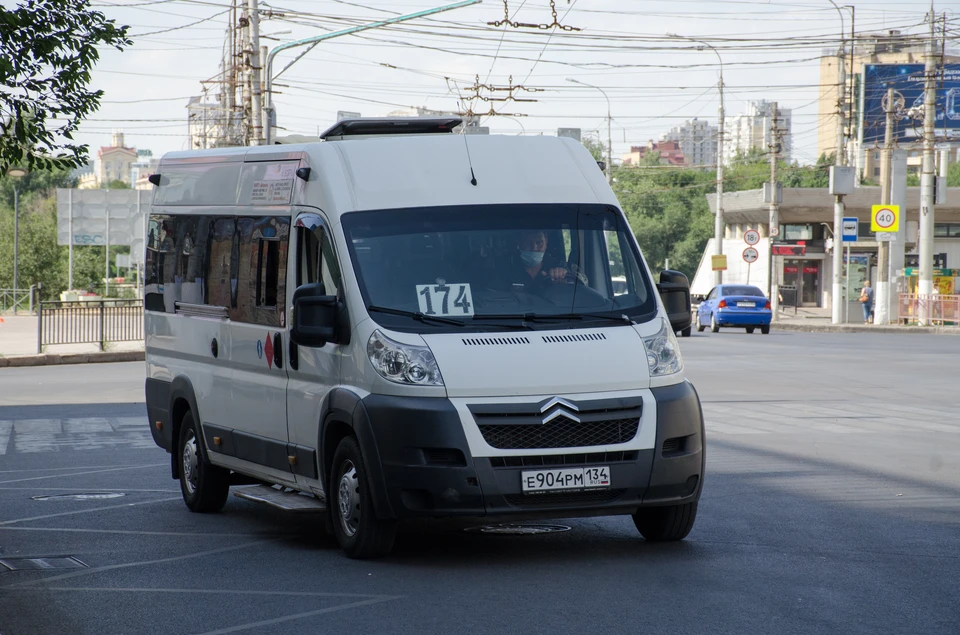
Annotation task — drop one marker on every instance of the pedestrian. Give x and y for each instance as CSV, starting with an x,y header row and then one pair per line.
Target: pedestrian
x,y
866,299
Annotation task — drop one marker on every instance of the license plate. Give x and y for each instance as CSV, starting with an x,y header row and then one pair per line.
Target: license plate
x,y
747,304
573,478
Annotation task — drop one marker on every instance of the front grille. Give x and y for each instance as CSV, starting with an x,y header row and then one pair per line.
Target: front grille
x,y
671,446
564,498
561,432
549,460
577,337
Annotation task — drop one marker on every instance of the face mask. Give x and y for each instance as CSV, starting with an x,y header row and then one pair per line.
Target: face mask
x,y
531,258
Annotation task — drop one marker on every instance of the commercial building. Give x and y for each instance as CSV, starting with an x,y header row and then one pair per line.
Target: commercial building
x,y
698,141
803,263
891,47
752,130
670,153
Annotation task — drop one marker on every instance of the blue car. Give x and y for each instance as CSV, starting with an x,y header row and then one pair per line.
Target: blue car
x,y
737,306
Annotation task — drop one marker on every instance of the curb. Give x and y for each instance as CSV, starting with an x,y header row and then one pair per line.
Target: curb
x,y
863,328
54,359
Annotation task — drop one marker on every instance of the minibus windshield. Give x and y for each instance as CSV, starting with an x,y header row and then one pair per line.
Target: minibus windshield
x,y
548,266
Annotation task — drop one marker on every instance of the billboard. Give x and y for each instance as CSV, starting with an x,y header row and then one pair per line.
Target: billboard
x,y
83,213
907,82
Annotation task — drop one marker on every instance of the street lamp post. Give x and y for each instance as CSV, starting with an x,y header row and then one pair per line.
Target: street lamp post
x,y
609,166
718,226
840,159
17,174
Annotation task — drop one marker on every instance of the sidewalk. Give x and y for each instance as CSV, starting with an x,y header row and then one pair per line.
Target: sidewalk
x,y
18,347
816,319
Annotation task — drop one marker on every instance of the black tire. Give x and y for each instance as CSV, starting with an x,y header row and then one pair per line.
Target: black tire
x,y
360,533
714,327
666,524
204,486
750,329
686,332
765,329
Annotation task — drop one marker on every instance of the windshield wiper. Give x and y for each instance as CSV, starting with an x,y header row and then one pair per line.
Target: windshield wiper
x,y
416,315
423,317
546,317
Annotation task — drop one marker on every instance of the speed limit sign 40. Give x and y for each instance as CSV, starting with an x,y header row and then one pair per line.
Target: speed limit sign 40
x,y
885,218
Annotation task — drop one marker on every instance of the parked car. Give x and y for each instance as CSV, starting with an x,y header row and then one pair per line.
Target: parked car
x,y
737,306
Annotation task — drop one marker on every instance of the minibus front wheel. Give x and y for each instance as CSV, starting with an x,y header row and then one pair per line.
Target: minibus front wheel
x,y
666,523
355,524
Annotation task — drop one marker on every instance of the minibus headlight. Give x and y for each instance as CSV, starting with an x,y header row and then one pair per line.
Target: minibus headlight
x,y
403,363
663,352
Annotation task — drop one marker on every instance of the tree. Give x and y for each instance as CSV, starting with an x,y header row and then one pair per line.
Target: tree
x,y
596,148
47,49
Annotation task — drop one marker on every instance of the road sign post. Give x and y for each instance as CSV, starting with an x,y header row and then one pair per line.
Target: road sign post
x,y
750,256
885,219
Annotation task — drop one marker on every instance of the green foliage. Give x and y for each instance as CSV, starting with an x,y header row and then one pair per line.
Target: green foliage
x,y
47,48
667,207
597,149
41,260
116,184
953,175
39,255
913,180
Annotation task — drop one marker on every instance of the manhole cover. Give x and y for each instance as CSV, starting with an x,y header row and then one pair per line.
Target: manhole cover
x,y
80,497
518,530
38,564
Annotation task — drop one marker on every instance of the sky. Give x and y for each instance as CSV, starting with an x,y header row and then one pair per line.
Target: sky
x,y
634,51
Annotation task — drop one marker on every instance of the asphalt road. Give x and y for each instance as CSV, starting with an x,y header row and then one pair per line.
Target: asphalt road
x,y
831,505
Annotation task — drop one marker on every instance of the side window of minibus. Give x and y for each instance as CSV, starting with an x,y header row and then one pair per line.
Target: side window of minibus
x,y
262,265
317,261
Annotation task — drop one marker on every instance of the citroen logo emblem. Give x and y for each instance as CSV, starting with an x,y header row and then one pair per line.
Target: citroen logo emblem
x,y
557,407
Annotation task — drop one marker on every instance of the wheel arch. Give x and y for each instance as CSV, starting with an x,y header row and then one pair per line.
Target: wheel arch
x,y
183,400
345,415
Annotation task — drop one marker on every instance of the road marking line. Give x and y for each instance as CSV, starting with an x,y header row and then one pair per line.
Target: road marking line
x,y
6,427
87,511
316,594
115,469
127,565
132,532
297,616
37,426
729,428
88,425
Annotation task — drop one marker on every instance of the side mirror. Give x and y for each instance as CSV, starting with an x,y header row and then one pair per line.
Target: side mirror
x,y
315,316
675,292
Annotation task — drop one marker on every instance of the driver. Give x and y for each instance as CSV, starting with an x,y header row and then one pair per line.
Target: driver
x,y
532,267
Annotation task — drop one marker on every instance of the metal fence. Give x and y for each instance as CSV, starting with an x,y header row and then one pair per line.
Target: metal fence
x,y
95,322
931,308
17,300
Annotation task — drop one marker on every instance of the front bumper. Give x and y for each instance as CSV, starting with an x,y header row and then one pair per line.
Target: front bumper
x,y
426,469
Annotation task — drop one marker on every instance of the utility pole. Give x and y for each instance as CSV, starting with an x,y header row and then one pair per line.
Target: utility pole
x,y
718,220
881,304
253,15
928,170
774,220
718,226
839,160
